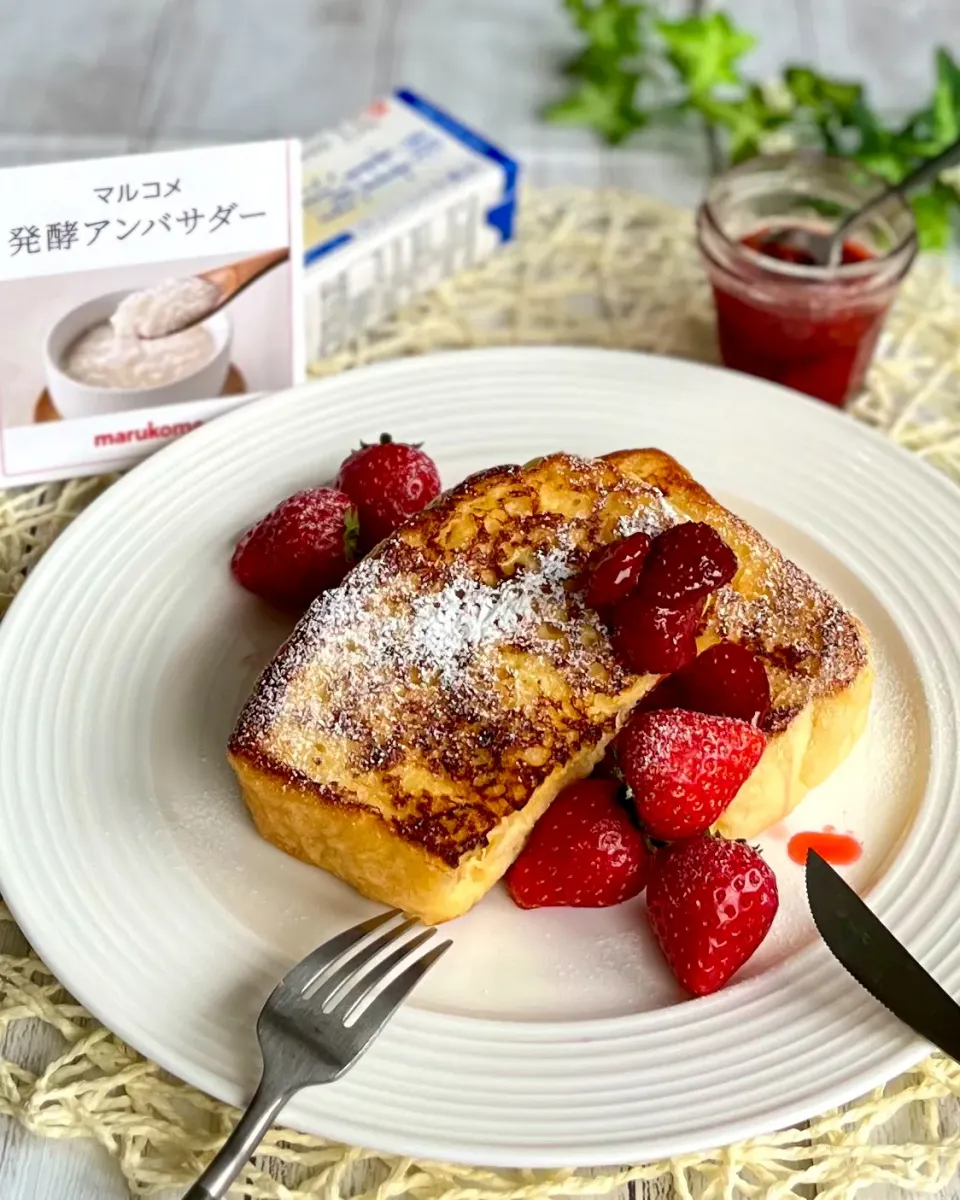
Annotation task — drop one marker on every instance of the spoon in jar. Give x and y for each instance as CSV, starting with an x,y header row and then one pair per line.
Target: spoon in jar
x,y
826,249
179,304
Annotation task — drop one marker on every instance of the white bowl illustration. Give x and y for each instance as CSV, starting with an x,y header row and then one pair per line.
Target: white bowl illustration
x,y
74,399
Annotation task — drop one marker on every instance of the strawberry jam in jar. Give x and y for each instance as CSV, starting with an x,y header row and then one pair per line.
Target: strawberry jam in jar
x,y
779,315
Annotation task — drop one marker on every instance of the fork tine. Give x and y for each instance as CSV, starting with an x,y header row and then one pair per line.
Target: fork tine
x,y
303,973
393,995
377,974
356,962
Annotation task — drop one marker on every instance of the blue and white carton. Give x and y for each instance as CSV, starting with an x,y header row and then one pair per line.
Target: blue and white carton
x,y
395,201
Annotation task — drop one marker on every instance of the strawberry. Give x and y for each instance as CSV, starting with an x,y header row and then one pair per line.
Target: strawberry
x,y
584,852
652,639
306,544
684,768
388,482
725,679
686,562
710,904
617,571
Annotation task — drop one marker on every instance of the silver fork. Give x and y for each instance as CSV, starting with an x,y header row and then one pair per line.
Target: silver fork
x,y
303,1031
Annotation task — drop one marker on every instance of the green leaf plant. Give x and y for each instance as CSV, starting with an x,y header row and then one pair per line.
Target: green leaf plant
x,y
636,68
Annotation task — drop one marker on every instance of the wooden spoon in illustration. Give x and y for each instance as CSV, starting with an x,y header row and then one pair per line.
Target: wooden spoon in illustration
x,y
229,281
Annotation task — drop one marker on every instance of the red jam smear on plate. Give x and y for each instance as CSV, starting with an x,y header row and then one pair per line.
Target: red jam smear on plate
x,y
770,327
840,849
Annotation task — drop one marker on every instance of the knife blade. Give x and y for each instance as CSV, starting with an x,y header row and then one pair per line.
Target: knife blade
x,y
877,961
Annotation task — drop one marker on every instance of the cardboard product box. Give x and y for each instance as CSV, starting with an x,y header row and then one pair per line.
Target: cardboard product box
x,y
395,201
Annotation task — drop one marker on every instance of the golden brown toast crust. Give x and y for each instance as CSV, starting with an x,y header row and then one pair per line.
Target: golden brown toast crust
x,y
457,669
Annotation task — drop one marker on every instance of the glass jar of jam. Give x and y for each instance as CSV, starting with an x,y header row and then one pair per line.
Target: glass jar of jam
x,y
779,315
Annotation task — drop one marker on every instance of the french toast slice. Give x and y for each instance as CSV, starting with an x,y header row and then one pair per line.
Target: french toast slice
x,y
816,654
423,715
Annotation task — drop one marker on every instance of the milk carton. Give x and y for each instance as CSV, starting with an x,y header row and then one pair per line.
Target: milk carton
x,y
394,201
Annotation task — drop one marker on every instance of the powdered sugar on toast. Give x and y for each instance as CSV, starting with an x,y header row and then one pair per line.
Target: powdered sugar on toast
x,y
376,639
421,649
420,643
653,519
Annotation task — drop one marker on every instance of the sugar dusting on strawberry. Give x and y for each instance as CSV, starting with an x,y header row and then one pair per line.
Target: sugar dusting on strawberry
x,y
584,852
388,482
302,547
685,768
710,903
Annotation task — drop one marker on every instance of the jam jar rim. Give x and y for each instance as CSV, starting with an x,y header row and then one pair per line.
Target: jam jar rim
x,y
906,248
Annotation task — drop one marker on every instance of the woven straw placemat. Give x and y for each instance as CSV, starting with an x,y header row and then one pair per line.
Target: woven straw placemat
x,y
599,268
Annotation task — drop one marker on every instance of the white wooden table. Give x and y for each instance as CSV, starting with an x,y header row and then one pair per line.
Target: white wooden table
x,y
108,76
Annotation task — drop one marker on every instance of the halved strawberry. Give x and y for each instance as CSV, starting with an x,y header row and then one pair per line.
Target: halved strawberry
x,y
726,680
652,638
686,562
304,545
617,571
710,903
584,852
684,768
388,482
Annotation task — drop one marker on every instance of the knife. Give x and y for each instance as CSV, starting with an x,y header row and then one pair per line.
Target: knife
x,y
877,961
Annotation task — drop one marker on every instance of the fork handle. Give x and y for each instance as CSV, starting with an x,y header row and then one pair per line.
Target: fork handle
x,y
247,1134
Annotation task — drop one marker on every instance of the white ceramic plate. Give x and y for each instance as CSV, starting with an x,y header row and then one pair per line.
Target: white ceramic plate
x,y
547,1038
